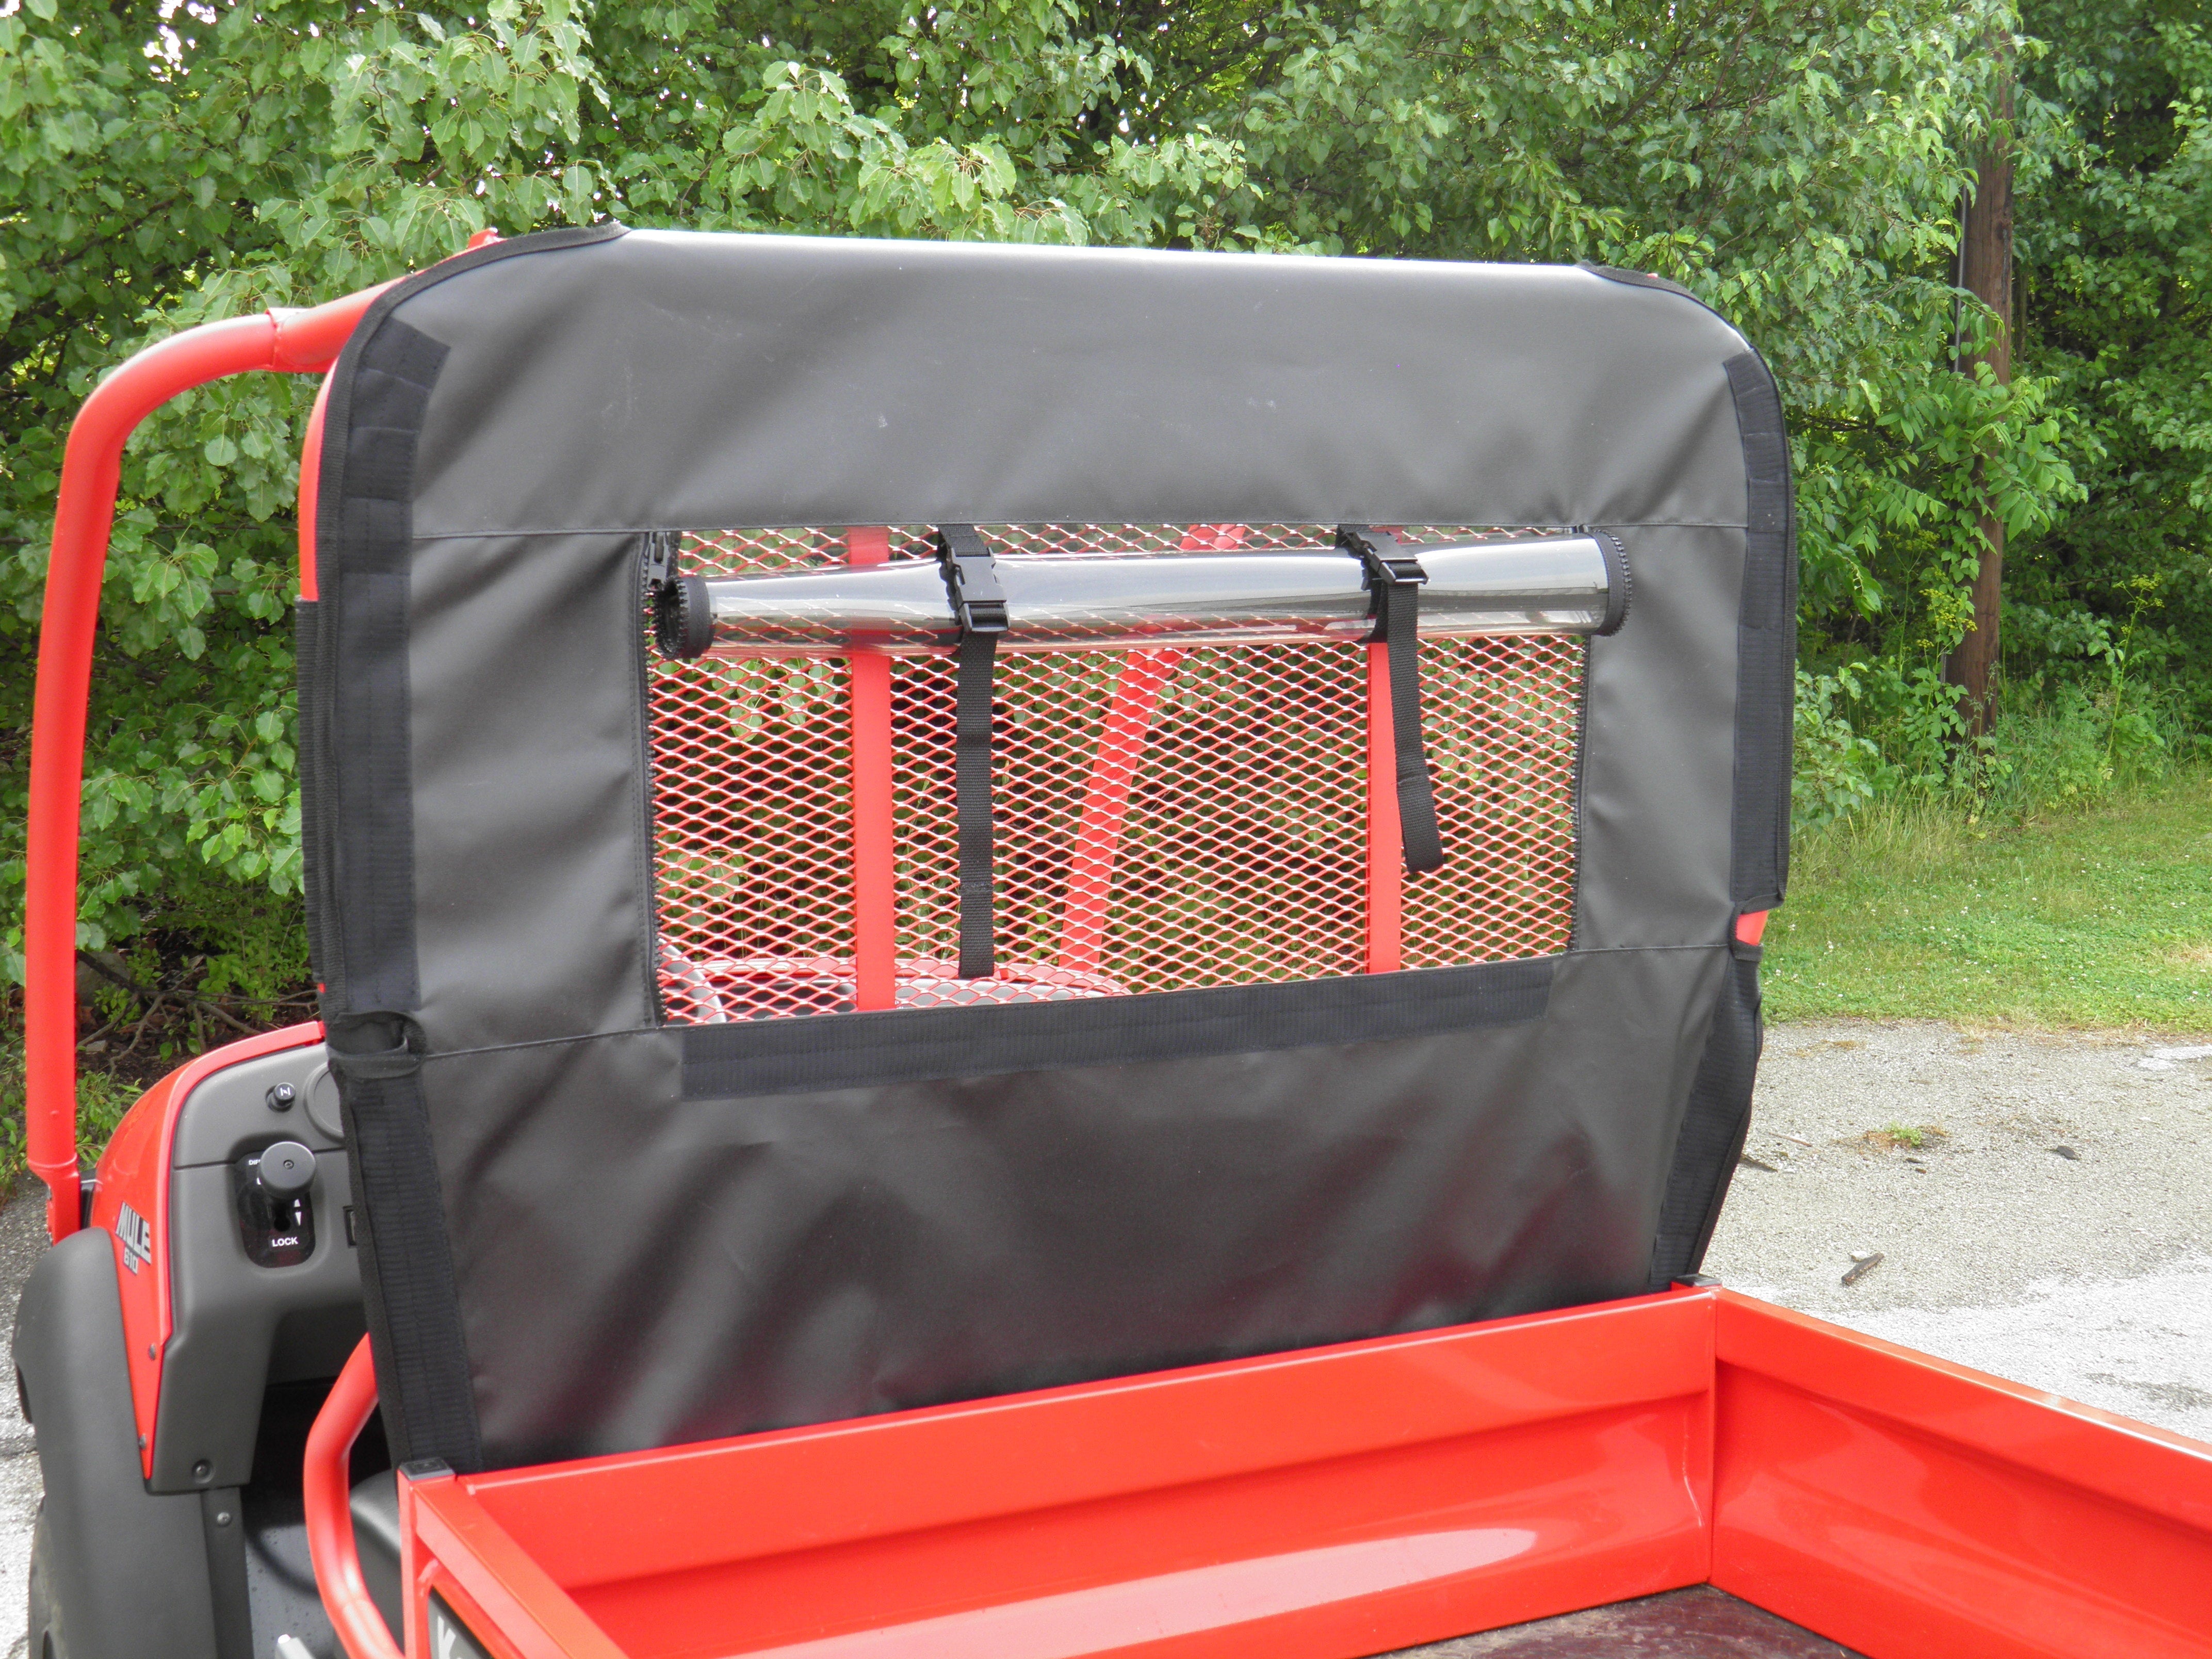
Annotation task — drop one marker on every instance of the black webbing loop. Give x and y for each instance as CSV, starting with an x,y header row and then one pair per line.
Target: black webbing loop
x,y
979,604
1395,577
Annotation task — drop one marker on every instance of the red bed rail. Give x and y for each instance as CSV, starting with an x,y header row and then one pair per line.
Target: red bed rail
x,y
284,341
1357,1499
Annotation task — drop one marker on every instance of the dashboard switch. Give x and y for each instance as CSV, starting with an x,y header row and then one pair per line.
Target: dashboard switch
x,y
276,1208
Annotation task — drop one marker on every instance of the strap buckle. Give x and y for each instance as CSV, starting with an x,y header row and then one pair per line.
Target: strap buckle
x,y
1394,579
1387,562
971,580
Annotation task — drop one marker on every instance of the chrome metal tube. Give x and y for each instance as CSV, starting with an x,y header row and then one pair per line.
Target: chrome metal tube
x,y
1089,602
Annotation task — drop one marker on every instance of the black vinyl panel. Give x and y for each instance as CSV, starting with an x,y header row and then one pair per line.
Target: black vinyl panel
x,y
586,1234
1718,1115
638,1269
678,380
358,808
1715,1123
1659,748
533,885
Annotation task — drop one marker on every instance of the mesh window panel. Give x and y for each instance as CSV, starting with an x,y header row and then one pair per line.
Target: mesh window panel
x,y
1502,718
1165,819
751,809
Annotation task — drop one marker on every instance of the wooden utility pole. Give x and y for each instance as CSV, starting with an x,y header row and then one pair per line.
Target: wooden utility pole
x,y
1985,271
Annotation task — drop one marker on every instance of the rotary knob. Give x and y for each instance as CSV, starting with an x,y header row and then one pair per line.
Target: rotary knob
x,y
287,1168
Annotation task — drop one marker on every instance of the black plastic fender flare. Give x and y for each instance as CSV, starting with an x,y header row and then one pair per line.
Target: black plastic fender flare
x,y
127,1572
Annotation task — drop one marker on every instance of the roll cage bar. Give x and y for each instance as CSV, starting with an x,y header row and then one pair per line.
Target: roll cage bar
x,y
282,340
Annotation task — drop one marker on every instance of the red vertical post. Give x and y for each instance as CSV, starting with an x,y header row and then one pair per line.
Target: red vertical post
x,y
1385,857
875,917
311,474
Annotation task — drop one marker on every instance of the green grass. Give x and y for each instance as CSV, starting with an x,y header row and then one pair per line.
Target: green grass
x,y
2099,918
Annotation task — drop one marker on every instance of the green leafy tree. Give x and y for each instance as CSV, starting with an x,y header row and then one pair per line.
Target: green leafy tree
x,y
1798,165
2116,302
155,174
158,171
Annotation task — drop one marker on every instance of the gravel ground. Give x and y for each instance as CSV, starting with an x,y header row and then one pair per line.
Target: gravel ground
x,y
23,1237
2052,1224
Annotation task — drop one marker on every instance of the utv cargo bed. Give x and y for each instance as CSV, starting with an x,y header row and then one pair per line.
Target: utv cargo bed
x,y
1025,953
1367,1498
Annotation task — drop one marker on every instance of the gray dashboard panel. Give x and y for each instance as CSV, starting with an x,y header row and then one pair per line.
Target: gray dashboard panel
x,y
228,1114
240,1327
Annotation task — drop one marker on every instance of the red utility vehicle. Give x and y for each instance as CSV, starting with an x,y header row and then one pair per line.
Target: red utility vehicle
x,y
968,1014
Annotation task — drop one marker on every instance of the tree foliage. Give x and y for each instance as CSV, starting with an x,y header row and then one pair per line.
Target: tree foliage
x,y
1797,163
2116,264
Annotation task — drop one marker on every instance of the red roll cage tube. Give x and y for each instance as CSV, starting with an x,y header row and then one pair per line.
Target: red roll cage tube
x,y
284,341
328,1502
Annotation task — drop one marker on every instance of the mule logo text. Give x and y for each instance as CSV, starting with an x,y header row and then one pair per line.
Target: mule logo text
x,y
137,1236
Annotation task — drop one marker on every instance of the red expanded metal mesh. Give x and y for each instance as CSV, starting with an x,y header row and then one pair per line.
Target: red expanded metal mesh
x,y
751,809
1502,720
1165,819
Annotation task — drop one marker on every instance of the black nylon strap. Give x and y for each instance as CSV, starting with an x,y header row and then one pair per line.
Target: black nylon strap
x,y
972,789
979,604
1396,578
413,1308
1400,602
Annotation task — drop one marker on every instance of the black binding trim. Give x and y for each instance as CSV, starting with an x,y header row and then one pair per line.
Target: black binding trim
x,y
360,817
314,792
912,1045
657,564
1766,644
364,602
1394,578
1714,1125
971,580
408,1286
